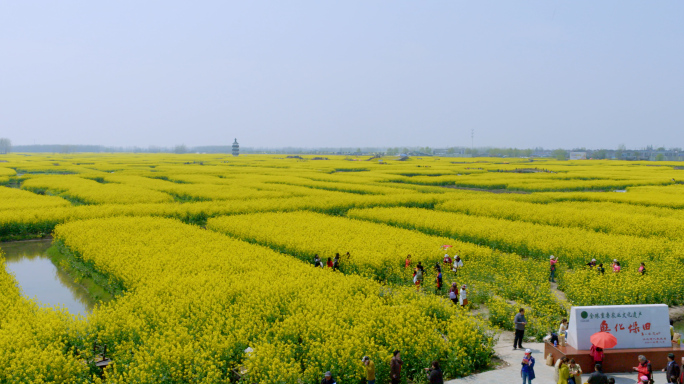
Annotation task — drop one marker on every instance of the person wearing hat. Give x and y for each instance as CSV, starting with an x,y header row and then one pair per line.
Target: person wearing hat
x,y
328,379
592,263
527,372
462,297
370,369
616,267
672,369
453,293
553,262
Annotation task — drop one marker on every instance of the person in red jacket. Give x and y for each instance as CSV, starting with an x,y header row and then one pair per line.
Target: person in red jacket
x,y
644,368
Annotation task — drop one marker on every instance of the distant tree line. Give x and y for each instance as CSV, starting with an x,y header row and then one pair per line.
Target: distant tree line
x,y
621,153
5,146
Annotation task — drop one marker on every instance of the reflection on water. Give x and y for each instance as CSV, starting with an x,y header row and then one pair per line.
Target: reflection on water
x,y
40,279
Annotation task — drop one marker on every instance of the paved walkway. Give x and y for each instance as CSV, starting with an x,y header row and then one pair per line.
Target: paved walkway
x,y
509,371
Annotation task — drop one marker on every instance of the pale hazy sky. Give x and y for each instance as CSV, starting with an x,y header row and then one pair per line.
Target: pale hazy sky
x,y
346,73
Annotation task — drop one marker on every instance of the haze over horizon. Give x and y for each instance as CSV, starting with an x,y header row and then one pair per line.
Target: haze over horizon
x,y
354,74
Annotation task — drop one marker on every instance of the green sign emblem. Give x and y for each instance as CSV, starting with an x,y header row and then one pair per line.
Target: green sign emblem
x,y
584,314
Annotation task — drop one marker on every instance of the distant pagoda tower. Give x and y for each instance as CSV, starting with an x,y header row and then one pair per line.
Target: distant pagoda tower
x,y
236,148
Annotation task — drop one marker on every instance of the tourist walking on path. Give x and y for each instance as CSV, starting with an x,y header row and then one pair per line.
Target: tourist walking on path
x,y
329,264
597,377
434,374
317,261
575,371
370,369
672,369
395,367
563,373
520,322
408,261
453,293
527,372
642,269
463,298
592,263
552,276
644,368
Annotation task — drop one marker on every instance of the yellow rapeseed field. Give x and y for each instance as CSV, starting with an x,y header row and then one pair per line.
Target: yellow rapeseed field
x,y
208,255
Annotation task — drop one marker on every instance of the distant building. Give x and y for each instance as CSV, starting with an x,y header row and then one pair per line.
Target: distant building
x,y
236,148
578,155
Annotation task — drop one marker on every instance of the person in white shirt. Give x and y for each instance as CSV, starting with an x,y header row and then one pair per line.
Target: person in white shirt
x,y
462,299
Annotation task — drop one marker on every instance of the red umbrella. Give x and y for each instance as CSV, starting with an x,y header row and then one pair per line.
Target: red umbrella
x,y
603,340
445,246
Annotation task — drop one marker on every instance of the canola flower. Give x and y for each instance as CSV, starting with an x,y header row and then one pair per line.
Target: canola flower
x,y
379,251
575,246
196,299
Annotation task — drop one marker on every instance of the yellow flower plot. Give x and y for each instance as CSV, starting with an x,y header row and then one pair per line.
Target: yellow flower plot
x,y
209,259
196,299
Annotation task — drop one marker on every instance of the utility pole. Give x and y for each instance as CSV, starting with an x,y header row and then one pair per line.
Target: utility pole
x,y
472,141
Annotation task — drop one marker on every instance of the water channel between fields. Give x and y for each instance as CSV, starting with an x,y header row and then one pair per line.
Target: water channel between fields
x,y
41,280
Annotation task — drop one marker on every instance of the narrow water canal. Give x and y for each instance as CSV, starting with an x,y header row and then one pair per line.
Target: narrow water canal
x,y
40,279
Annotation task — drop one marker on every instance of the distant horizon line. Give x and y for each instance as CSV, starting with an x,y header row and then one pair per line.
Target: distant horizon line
x,y
228,147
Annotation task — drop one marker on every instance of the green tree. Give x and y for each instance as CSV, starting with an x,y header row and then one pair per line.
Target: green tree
x,y
620,151
451,151
600,154
560,154
660,157
5,146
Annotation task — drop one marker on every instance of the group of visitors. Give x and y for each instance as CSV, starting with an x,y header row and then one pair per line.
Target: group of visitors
x,y
567,371
433,373
458,296
331,263
615,265
455,264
